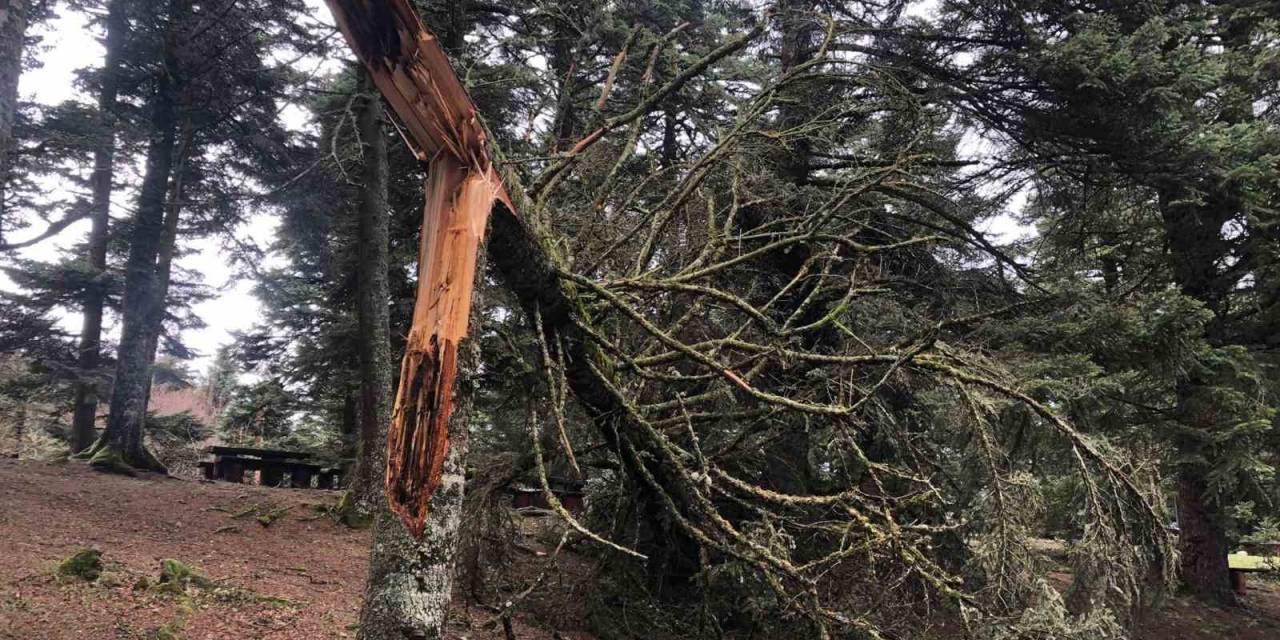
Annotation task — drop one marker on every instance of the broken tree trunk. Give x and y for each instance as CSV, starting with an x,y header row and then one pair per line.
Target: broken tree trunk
x,y
411,568
458,203
411,580
413,73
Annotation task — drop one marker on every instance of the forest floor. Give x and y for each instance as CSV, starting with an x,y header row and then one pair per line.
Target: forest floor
x,y
300,577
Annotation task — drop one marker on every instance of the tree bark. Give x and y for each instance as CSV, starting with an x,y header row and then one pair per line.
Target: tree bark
x,y
14,15
373,316
88,379
121,445
411,581
168,247
1195,243
1202,534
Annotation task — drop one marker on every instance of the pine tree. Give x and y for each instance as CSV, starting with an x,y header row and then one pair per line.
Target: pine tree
x,y
14,17
374,344
216,85
1152,105
121,445
84,415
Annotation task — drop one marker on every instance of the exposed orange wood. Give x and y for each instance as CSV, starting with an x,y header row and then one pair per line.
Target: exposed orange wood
x,y
413,73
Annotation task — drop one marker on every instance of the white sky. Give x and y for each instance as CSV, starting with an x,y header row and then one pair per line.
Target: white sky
x,y
69,44
923,8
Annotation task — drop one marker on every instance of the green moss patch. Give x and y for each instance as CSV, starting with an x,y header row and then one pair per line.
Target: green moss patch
x,y
267,518
175,577
85,564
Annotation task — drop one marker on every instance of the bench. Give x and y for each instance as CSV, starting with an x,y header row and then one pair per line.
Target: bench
x,y
529,495
230,464
1241,564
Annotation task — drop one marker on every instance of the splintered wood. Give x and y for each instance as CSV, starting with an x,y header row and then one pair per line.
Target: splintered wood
x,y
412,72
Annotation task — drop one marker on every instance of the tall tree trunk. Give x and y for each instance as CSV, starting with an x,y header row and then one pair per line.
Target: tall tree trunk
x,y
1202,533
88,378
121,445
13,31
373,242
1195,243
168,247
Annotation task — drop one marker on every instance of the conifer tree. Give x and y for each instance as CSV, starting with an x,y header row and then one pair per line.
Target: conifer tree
x,y
14,17
85,410
1148,111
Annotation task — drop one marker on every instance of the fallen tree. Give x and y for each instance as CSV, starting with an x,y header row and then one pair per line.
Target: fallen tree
x,y
665,338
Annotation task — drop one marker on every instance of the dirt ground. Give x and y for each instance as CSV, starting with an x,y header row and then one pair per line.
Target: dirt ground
x,y
298,578
1186,619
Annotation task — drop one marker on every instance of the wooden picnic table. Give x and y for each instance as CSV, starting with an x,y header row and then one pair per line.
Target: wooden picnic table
x,y
220,450
1241,564
230,463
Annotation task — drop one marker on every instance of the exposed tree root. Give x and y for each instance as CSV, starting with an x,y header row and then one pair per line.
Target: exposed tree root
x,y
107,459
